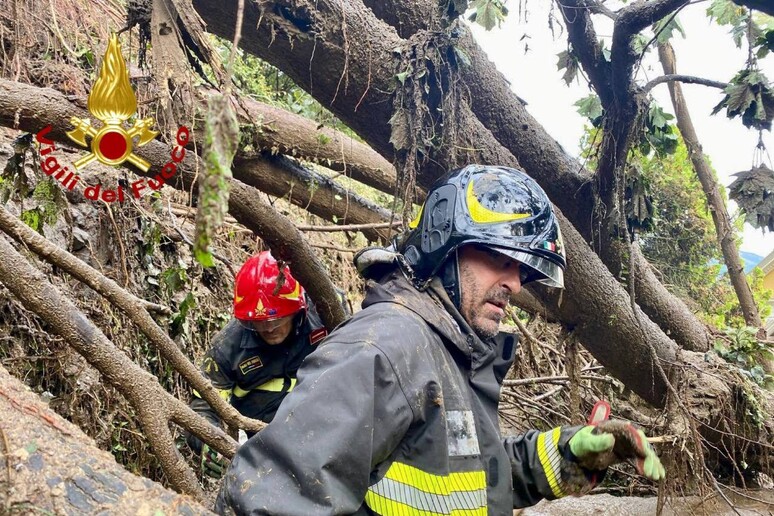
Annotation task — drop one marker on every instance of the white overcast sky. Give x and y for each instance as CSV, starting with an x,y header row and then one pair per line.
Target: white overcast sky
x,y
707,51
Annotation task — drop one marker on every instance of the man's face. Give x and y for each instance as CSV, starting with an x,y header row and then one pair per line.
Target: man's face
x,y
273,332
487,281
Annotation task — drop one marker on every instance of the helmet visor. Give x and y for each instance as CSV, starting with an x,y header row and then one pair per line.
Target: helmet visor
x,y
535,268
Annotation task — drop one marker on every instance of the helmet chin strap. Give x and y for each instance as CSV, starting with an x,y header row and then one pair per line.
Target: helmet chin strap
x,y
449,274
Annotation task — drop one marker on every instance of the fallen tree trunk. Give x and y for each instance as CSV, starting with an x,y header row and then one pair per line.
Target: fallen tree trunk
x,y
322,196
49,466
280,131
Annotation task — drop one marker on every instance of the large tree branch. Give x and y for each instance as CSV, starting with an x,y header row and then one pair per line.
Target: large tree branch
x,y
320,195
586,45
280,131
631,20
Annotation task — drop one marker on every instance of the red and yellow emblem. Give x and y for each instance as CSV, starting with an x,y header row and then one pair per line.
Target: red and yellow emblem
x,y
112,101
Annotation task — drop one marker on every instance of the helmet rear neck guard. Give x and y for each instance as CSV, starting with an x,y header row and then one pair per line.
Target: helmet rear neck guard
x,y
498,207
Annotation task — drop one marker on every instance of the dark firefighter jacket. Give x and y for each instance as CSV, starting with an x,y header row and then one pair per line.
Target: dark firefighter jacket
x,y
254,376
396,414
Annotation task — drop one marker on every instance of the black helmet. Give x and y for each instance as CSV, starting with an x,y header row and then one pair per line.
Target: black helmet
x,y
501,208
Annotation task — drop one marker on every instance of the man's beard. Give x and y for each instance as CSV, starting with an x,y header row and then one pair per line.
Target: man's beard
x,y
488,331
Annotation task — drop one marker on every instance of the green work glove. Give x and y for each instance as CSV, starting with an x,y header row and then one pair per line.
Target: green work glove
x,y
213,463
597,447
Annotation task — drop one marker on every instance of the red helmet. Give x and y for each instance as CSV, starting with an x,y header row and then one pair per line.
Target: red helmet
x,y
254,292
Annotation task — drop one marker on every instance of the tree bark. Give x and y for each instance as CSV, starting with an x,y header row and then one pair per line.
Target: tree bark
x,y
49,466
723,227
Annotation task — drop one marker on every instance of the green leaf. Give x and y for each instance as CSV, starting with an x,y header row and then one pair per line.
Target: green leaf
x,y
462,56
725,12
752,191
32,219
638,43
749,95
402,77
489,13
590,107
569,63
666,27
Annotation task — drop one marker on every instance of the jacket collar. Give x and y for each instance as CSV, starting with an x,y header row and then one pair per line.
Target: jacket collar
x,y
435,308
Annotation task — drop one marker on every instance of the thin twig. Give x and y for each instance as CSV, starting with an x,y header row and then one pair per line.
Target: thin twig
x,y
552,379
688,79
348,227
235,46
548,394
528,401
720,492
190,213
334,248
156,308
744,495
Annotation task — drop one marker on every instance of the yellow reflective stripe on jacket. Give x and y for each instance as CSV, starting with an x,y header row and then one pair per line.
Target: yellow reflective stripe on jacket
x,y
223,393
550,459
273,385
406,490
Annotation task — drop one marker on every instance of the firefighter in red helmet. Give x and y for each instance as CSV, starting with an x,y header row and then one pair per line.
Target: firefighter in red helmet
x,y
254,358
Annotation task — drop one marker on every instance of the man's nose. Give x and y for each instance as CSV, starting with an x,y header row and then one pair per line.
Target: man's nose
x,y
511,280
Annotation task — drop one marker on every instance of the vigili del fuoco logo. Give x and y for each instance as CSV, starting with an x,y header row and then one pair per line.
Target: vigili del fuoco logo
x,y
112,102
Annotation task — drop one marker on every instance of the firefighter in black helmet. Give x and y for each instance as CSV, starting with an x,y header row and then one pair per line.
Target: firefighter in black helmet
x,y
397,412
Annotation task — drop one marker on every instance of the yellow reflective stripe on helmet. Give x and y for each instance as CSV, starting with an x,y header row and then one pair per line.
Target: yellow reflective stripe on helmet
x,y
223,393
484,215
293,295
406,490
414,223
273,385
550,459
